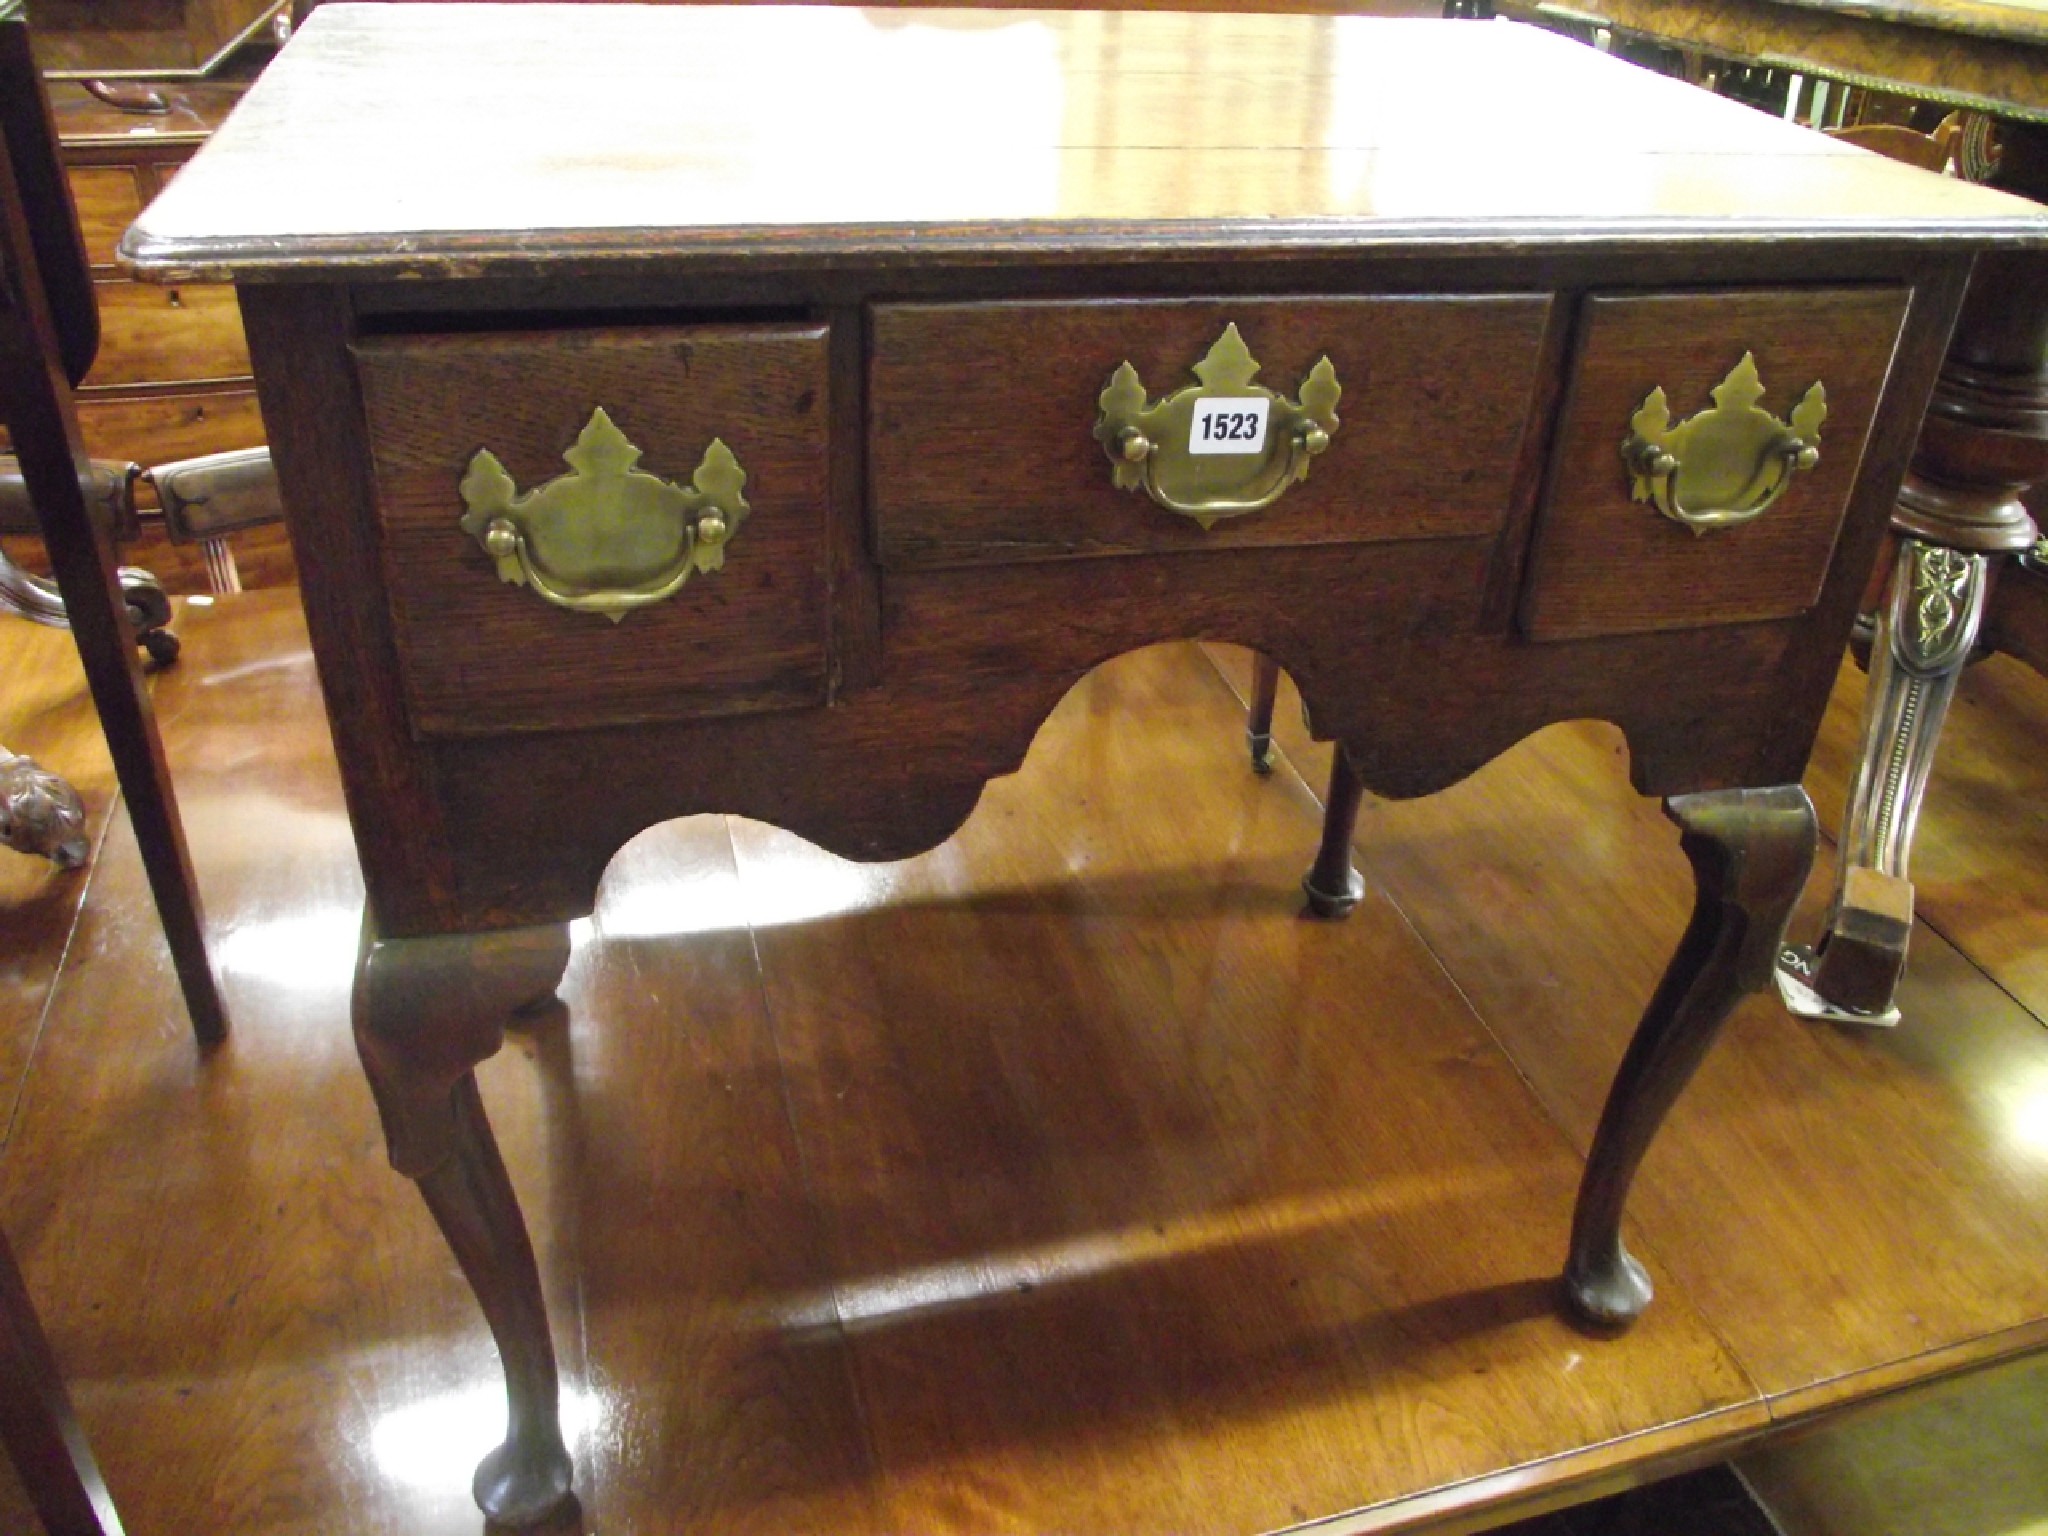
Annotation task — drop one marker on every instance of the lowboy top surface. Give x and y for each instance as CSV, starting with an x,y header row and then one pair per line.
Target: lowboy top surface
x,y
446,140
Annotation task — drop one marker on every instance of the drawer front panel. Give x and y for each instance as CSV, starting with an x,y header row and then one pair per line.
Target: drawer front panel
x,y
482,656
163,428
154,335
108,199
982,420
1605,563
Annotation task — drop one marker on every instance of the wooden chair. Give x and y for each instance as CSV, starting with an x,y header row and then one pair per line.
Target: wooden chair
x,y
49,333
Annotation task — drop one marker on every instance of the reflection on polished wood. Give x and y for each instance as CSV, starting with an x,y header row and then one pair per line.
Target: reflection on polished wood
x,y
1052,120
1194,1217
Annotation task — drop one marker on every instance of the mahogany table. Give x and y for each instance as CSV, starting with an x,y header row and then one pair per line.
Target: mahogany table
x,y
774,412
1960,518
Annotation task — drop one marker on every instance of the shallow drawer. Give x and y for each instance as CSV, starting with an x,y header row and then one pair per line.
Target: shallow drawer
x,y
481,655
108,199
983,416
162,428
151,335
1607,563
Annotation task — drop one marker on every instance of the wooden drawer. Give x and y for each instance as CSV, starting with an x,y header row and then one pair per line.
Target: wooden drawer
x,y
481,656
108,199
982,418
163,428
167,335
1605,563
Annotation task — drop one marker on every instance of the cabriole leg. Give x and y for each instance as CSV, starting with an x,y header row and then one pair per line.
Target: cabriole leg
x,y
1751,851
1924,638
426,1012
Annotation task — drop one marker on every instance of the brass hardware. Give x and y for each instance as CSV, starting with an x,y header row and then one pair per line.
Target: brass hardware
x,y
1154,446
1725,465
606,538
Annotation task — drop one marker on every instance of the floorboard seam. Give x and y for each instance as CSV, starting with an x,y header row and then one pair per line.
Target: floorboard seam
x,y
42,1023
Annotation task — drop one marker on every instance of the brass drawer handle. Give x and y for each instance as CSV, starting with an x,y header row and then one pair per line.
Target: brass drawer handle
x,y
1222,448
605,538
1725,465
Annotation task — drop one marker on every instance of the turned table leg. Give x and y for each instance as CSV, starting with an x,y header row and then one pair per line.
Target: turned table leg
x,y
1258,728
1983,444
1751,851
1332,886
426,1012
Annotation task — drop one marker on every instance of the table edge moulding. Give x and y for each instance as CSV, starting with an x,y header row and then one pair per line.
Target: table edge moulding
x,y
654,456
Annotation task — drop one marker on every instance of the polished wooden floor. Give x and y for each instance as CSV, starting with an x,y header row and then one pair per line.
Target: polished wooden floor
x,y
1061,1180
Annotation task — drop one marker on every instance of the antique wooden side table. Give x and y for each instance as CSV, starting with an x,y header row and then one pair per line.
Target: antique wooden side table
x,y
774,411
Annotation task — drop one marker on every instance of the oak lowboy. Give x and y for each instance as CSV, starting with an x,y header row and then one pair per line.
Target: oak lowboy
x,y
664,433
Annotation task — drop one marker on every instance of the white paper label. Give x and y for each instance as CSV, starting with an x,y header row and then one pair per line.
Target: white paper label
x,y
1229,425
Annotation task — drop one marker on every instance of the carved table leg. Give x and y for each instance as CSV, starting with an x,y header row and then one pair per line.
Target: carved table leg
x,y
1258,730
1751,851
426,1012
1333,887
1924,638
1984,442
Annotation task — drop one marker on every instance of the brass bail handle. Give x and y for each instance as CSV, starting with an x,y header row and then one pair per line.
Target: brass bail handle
x,y
607,537
1221,448
1726,465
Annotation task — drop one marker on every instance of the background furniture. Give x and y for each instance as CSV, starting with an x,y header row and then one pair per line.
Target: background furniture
x,y
48,336
1961,516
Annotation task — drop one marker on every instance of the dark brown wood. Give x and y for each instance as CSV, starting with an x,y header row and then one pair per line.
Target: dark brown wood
x,y
976,464
1751,851
1859,967
1385,597
751,636
150,37
37,1426
855,602
313,413
426,1012
1258,728
36,408
1591,531
2018,621
1332,886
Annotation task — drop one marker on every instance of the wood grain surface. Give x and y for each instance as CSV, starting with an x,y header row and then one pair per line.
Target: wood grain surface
x,y
973,1193
480,657
358,150
978,464
1604,563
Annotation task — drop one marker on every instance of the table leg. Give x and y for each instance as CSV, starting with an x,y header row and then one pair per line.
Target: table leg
x,y
1751,851
1983,444
1333,887
37,1426
1258,729
426,1012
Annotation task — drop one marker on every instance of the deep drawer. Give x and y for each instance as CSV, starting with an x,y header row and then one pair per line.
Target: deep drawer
x,y
1606,563
982,420
481,655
